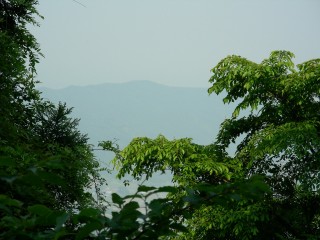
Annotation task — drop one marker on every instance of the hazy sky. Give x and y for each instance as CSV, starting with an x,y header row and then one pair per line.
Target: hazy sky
x,y
174,42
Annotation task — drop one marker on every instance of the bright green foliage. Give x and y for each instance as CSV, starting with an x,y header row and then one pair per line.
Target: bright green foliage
x,y
281,135
208,181
190,163
279,140
269,189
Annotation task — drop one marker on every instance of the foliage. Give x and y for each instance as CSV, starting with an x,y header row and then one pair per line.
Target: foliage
x,y
144,156
278,138
132,217
47,168
44,159
269,188
58,136
281,133
19,52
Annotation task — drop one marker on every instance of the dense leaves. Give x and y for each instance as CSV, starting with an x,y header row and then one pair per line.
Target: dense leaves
x,y
281,133
44,159
275,126
188,161
19,52
267,189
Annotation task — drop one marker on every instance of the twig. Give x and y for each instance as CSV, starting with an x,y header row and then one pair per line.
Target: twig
x,y
79,3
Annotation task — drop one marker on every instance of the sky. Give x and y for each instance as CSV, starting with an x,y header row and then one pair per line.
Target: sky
x,y
172,42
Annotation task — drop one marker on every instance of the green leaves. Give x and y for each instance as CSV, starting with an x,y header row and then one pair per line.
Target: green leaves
x,y
40,210
7,161
143,188
280,135
6,203
268,189
144,156
117,199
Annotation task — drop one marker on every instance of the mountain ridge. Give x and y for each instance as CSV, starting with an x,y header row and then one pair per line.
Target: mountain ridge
x,y
135,82
135,102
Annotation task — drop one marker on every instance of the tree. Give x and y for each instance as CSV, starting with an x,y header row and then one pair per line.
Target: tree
x,y
46,164
36,137
19,55
278,138
281,134
269,189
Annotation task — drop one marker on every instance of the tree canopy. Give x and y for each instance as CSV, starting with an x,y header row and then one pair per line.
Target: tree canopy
x,y
44,159
47,168
275,126
267,189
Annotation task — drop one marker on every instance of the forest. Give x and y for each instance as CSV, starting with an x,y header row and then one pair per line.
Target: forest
x,y
52,186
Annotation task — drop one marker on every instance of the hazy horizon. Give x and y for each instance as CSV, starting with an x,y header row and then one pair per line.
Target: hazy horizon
x,y
173,42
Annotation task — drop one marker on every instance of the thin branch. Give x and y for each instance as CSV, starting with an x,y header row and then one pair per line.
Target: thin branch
x,y
79,3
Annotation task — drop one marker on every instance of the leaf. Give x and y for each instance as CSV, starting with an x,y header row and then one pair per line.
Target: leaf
x,y
6,161
7,201
51,178
54,163
156,207
236,112
130,206
168,189
132,196
31,179
143,188
61,220
117,199
87,229
40,210
89,212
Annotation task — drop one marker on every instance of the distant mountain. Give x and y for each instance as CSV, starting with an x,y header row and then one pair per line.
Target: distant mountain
x,y
142,108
